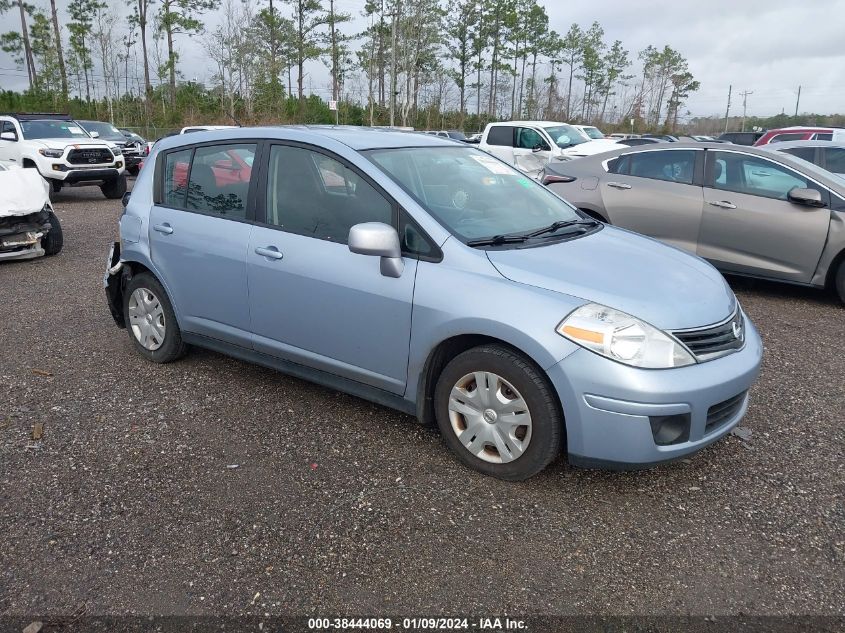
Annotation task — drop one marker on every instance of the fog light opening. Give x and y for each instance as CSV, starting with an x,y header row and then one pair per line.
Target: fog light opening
x,y
670,429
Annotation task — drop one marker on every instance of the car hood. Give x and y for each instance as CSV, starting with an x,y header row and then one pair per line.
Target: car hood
x,y
61,143
659,284
596,146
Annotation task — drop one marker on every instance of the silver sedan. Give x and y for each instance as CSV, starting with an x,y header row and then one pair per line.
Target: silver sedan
x,y
748,211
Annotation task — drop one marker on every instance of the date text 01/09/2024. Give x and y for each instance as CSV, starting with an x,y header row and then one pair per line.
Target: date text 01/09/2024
x,y
493,624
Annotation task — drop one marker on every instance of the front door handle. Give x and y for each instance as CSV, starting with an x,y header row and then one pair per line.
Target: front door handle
x,y
619,185
723,204
270,252
165,228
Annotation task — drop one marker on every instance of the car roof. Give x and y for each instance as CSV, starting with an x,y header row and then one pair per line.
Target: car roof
x,y
535,123
773,147
799,128
815,172
357,138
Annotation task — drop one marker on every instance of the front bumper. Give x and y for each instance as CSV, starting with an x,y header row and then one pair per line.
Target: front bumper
x,y
113,283
85,175
20,236
611,409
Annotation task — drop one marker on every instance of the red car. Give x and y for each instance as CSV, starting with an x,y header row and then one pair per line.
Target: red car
x,y
797,133
229,167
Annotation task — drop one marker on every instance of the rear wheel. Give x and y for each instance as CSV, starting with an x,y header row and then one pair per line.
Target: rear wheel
x,y
498,413
150,320
114,189
54,240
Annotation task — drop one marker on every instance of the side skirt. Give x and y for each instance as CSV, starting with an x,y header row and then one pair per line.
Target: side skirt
x,y
326,379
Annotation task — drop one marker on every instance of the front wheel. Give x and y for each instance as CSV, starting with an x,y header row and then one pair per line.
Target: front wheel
x,y
151,321
114,189
54,240
497,411
840,281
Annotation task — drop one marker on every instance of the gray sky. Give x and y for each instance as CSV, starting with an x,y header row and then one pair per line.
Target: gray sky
x,y
769,47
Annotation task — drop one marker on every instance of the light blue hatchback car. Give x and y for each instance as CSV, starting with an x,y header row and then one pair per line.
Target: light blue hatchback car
x,y
431,277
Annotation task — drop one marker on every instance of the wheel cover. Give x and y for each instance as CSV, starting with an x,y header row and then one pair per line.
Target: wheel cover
x,y
146,318
490,417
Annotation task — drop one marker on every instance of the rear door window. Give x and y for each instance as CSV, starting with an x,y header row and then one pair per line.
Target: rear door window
x,y
807,153
670,165
219,179
500,135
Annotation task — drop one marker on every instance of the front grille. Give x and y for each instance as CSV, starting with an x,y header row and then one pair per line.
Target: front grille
x,y
89,156
723,412
715,340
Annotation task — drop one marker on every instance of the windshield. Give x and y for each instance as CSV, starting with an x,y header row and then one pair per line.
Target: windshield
x,y
593,132
51,128
471,193
566,135
105,130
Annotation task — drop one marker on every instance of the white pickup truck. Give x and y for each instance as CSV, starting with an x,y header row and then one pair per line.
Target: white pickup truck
x,y
530,145
62,152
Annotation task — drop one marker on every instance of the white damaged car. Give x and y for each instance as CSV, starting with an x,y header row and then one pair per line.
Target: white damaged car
x,y
28,226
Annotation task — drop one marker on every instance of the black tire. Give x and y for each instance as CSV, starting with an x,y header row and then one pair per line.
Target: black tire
x,y
839,280
528,380
171,347
114,189
55,186
133,171
54,240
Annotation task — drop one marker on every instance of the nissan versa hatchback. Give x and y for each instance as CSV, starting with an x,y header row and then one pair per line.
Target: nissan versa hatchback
x,y
433,278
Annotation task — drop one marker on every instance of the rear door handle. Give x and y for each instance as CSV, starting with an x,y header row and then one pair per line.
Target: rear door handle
x,y
619,185
270,252
165,228
724,204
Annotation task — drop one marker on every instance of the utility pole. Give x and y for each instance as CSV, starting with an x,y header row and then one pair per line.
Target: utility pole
x,y
393,66
744,104
728,110
797,100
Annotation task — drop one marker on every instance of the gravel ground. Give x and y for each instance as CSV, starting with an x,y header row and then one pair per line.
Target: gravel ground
x,y
131,503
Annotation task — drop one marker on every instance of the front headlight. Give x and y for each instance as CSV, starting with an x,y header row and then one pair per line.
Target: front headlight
x,y
623,338
117,152
51,153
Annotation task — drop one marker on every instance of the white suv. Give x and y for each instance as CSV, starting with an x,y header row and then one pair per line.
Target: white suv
x,y
62,152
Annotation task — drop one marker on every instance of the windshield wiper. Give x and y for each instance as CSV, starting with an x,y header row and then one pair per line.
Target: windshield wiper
x,y
496,240
562,224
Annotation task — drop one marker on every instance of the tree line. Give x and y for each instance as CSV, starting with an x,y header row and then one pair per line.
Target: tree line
x,y
420,63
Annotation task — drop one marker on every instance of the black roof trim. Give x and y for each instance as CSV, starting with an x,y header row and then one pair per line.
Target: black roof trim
x,y
32,116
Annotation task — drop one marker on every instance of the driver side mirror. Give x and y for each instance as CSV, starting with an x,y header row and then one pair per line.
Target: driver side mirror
x,y
379,240
806,197
541,147
9,136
